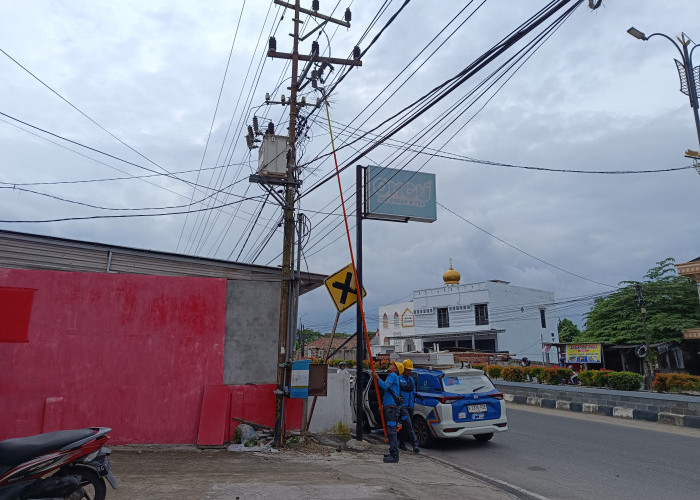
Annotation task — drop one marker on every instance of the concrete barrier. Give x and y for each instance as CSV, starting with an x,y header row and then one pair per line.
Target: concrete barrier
x,y
671,409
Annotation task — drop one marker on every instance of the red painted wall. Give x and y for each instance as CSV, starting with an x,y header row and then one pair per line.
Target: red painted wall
x,y
129,352
223,405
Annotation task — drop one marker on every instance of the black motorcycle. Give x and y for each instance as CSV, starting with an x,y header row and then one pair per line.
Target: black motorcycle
x,y
68,465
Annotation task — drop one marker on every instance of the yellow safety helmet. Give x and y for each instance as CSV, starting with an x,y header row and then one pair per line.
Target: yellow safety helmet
x,y
407,364
399,366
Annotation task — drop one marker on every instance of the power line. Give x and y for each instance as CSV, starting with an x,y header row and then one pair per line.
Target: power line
x,y
142,178
448,155
99,207
167,174
203,228
80,111
92,217
521,250
107,179
437,94
213,118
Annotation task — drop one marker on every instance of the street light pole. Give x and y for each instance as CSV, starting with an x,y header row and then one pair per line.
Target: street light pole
x,y
690,77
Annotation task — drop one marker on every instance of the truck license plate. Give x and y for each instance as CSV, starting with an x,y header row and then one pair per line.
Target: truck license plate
x,y
476,408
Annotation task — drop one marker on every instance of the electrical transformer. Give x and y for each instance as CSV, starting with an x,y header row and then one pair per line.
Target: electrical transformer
x,y
272,156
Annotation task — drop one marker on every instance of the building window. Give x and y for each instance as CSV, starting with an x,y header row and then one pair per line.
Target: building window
x,y
443,317
396,320
542,320
385,321
407,318
481,314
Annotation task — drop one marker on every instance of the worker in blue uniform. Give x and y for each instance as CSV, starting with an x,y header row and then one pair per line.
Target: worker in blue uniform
x,y
392,406
408,392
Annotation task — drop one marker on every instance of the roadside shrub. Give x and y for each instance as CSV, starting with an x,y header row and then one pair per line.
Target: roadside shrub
x,y
676,382
555,375
513,373
586,377
494,371
478,366
600,377
564,373
536,372
660,383
624,381
684,382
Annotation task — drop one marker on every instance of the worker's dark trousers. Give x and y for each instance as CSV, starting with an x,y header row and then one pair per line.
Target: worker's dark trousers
x,y
391,417
407,433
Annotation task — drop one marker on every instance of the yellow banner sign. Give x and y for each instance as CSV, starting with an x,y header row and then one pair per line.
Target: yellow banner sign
x,y
343,288
583,353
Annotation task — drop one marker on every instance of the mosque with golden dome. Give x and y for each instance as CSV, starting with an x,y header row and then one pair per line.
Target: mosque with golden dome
x,y
489,316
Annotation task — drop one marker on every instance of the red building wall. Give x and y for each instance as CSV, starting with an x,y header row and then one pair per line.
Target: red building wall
x,y
129,352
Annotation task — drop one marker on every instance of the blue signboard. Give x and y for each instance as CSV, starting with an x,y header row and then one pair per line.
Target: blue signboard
x,y
300,379
400,195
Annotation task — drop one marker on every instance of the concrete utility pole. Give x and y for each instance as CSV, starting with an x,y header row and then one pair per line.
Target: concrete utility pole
x,y
291,185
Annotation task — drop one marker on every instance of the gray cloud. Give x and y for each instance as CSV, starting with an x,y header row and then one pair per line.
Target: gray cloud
x,y
591,98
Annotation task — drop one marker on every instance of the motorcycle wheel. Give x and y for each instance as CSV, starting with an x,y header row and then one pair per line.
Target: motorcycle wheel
x,y
92,485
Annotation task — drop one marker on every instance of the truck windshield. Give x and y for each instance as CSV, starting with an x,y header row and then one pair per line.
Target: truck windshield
x,y
466,384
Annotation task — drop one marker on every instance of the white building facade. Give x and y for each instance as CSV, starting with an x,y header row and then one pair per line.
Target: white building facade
x,y
491,316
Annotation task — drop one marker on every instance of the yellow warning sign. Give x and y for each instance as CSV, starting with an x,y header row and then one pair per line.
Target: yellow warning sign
x,y
343,288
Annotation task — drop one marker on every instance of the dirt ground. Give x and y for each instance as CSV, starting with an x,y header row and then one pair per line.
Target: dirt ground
x,y
303,471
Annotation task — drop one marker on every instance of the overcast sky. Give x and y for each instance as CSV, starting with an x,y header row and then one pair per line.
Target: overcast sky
x,y
149,76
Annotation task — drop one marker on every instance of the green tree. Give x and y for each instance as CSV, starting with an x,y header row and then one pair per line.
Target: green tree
x,y
308,335
671,302
568,331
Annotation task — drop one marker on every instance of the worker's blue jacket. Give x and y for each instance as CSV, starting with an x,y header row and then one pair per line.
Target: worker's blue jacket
x,y
408,390
390,384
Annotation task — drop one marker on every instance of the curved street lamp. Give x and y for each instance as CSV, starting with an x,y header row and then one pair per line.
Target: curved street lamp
x,y
689,76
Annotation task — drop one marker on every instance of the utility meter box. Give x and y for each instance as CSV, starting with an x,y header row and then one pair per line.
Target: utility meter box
x,y
272,156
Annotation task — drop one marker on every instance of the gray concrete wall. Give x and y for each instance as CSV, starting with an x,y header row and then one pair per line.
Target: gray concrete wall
x,y
252,332
335,407
673,409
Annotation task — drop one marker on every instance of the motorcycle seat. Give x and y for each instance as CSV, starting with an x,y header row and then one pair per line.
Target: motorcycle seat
x,y
17,450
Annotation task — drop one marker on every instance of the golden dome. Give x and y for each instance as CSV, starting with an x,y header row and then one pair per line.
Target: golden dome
x,y
451,277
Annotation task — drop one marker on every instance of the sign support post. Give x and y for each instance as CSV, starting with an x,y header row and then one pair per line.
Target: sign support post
x,y
359,424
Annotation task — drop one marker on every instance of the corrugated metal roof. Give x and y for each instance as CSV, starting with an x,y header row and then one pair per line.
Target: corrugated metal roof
x,y
31,251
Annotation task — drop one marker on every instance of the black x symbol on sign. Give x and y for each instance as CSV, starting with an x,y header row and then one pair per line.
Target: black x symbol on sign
x,y
345,287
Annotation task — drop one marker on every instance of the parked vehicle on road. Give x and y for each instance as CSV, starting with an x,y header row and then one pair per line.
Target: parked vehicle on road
x,y
449,403
70,465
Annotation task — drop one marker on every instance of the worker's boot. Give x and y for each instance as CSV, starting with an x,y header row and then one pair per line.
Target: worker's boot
x,y
391,459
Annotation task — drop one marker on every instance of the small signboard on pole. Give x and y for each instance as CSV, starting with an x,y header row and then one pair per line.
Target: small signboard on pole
x,y
300,379
400,195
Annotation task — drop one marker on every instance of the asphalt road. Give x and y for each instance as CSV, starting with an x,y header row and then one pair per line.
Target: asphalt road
x,y
564,455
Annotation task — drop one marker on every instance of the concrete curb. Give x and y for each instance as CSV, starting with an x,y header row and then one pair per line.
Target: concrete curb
x,y
610,411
